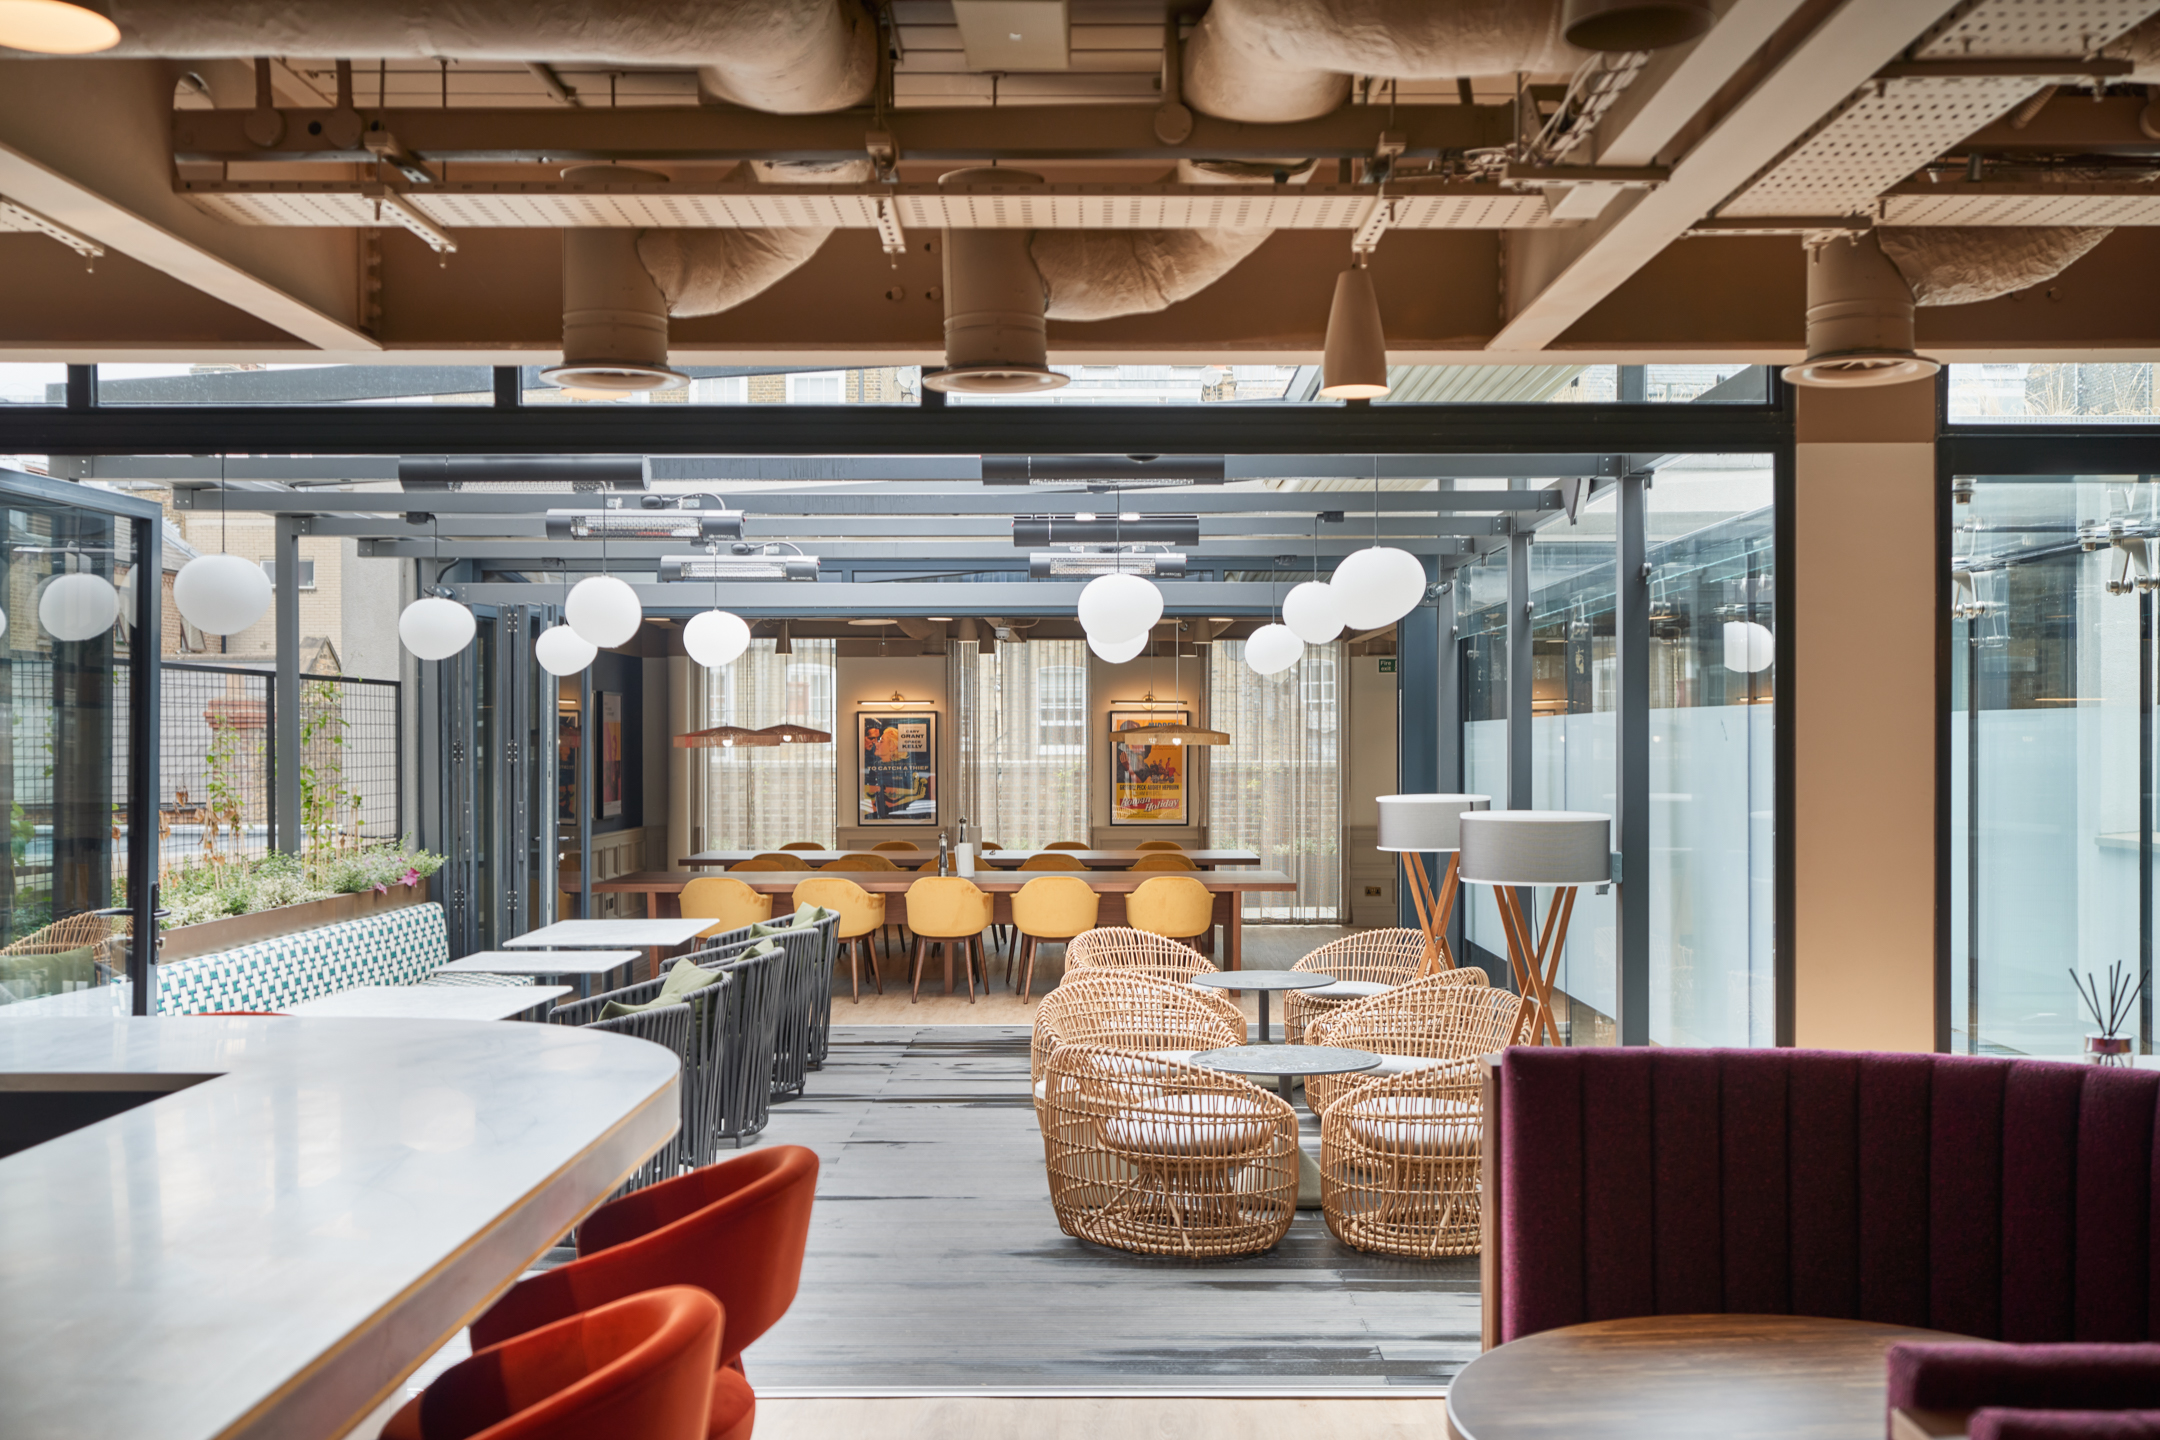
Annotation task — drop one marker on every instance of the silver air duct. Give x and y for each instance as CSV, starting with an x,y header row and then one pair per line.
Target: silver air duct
x,y
547,474
1859,319
996,341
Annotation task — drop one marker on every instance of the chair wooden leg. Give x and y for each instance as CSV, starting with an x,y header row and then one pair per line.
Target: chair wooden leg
x,y
854,971
877,974
1026,966
915,966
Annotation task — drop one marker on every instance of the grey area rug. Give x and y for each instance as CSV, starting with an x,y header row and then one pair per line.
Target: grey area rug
x,y
935,1263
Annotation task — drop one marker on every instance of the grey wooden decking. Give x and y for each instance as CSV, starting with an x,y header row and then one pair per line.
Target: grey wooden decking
x,y
935,1261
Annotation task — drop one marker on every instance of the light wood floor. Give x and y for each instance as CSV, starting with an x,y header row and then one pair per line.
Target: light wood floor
x,y
1098,1418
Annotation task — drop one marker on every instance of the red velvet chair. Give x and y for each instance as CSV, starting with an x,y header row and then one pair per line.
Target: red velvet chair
x,y
736,1230
636,1369
2002,1199
2029,1392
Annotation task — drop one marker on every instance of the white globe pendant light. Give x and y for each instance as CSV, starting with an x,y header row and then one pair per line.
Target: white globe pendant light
x,y
1273,649
1118,607
3,622
1313,612
435,628
78,607
715,638
604,611
1749,647
221,594
562,651
1117,652
1377,586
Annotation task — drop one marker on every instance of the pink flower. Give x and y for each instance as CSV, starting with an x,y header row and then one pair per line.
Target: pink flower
x,y
410,878
381,889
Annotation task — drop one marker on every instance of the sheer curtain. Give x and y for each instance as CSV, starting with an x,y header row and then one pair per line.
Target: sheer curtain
x,y
762,798
1022,713
1277,786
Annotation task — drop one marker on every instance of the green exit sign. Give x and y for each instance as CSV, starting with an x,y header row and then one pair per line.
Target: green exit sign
x,y
1387,665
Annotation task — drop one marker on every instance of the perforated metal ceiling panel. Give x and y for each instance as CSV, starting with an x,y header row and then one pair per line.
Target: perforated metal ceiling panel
x,y
2023,209
1891,128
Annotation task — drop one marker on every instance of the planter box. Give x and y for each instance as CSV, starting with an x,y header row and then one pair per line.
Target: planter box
x,y
213,937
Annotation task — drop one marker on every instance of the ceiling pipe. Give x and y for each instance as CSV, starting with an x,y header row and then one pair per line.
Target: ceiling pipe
x,y
996,339
1859,319
615,318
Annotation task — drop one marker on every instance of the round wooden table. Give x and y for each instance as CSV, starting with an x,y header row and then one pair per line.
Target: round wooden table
x,y
1657,1377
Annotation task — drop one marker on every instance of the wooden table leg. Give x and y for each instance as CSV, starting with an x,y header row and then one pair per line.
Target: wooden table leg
x,y
1234,935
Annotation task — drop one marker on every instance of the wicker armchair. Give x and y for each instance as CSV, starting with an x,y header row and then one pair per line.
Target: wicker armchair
x,y
76,950
1130,1012
1370,957
1439,1017
1164,1158
1112,947
1401,1163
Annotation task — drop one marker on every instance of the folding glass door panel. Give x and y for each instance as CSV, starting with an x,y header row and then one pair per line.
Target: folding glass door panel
x,y
78,669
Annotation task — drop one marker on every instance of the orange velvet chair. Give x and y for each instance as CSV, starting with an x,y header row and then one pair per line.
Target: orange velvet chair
x,y
736,1230
639,1368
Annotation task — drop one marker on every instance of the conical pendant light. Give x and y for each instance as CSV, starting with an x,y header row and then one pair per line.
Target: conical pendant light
x,y
1355,364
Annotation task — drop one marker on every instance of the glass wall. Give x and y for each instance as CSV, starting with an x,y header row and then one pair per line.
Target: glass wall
x,y
2051,753
2022,393
1712,677
764,797
1022,716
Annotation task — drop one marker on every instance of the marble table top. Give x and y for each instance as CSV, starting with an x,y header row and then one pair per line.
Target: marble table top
x,y
1263,979
430,1002
1287,1060
590,934
547,962
306,1210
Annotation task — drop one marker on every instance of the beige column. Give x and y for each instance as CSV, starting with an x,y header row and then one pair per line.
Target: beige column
x,y
1865,729
683,703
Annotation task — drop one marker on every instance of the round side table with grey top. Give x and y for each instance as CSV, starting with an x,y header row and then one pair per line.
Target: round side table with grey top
x,y
1265,982
1287,1062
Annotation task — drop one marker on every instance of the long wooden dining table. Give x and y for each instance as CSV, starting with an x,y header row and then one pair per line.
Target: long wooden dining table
x,y
995,859
663,889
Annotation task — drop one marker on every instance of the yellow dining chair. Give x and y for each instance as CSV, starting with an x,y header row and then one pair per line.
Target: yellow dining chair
x,y
1158,845
764,862
729,902
1052,860
987,846
1176,906
862,915
1067,845
1163,860
803,845
1050,907
862,861
928,867
780,857
947,910
896,845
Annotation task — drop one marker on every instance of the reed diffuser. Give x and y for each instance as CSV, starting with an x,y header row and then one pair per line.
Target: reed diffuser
x,y
2110,1046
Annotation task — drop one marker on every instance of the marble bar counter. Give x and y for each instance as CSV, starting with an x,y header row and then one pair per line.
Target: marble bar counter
x,y
259,1227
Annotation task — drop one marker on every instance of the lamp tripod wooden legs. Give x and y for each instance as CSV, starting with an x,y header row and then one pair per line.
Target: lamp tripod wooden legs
x,y
1434,908
1536,965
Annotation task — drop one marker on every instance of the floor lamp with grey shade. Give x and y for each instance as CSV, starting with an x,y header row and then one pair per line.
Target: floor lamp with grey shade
x,y
1413,826
1565,849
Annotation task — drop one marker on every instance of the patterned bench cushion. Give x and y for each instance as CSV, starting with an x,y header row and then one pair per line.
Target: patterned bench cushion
x,y
397,947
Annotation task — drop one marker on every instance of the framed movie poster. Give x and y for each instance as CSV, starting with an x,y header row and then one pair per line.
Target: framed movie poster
x,y
1148,782
611,754
898,783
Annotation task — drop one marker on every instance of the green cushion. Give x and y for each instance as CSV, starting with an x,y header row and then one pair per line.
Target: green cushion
x,y
804,916
51,972
679,982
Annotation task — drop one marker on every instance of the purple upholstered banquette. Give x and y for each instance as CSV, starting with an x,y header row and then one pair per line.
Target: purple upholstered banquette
x,y
2003,1199
2032,1392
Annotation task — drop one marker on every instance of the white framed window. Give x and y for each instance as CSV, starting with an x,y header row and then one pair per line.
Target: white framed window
x,y
828,388
1061,710
307,573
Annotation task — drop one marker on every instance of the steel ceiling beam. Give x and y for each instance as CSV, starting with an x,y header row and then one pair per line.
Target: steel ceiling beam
x,y
722,133
210,499
974,555
1288,532
840,469
788,599
972,430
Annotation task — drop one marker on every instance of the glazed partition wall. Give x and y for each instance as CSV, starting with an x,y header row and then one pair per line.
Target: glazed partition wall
x,y
78,775
1276,788
1708,637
